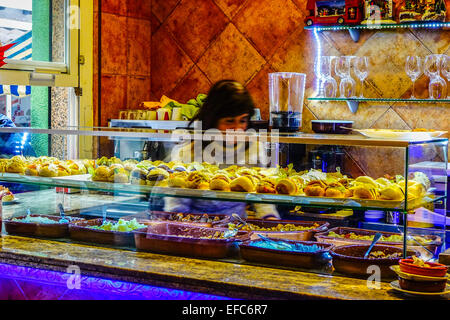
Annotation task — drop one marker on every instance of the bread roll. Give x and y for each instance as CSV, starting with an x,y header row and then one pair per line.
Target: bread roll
x,y
48,170
101,173
365,191
220,181
243,184
267,185
315,188
286,186
178,179
198,180
156,175
367,180
31,170
392,192
16,164
335,190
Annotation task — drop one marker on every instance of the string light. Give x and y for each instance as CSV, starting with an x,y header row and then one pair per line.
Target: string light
x,y
429,25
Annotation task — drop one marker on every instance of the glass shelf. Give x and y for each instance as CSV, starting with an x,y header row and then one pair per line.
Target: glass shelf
x,y
381,100
179,136
83,182
422,25
353,103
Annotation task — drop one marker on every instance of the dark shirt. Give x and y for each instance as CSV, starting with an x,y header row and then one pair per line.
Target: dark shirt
x,y
14,144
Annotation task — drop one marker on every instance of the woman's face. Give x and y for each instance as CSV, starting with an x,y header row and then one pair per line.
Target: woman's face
x,y
233,123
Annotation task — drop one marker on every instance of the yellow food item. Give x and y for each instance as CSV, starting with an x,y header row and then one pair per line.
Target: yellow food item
x,y
315,188
243,184
220,181
286,186
48,170
392,238
178,179
279,227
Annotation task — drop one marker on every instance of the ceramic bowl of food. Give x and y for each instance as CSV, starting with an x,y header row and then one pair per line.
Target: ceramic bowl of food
x,y
331,126
419,267
350,259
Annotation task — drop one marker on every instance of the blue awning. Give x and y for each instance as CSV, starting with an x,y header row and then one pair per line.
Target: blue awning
x,y
22,50
18,91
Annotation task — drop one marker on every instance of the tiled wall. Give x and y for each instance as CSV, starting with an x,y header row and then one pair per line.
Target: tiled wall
x,y
124,65
194,43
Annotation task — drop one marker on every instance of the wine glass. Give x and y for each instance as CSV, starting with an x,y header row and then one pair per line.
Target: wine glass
x,y
413,70
445,67
361,65
329,85
437,87
431,65
347,84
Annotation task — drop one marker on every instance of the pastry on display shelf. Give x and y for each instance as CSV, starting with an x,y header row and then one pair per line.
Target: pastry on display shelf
x,y
286,181
114,173
205,176
220,181
8,196
267,185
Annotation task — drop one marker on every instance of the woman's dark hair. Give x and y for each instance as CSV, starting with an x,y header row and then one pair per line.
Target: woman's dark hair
x,y
226,98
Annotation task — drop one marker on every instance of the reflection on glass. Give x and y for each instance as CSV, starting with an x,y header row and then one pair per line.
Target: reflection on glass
x,y
413,70
328,85
347,84
445,68
361,65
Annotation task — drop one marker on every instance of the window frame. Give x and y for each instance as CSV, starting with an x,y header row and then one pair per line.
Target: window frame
x,y
49,74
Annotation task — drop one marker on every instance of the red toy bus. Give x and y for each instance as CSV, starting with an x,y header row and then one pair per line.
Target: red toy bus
x,y
329,12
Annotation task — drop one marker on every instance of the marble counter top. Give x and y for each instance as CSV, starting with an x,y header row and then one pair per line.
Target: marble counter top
x,y
206,276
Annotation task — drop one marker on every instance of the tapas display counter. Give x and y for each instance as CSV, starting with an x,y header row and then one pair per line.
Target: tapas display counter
x,y
111,217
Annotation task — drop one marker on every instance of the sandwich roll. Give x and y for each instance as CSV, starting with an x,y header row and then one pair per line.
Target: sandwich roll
x,y
243,184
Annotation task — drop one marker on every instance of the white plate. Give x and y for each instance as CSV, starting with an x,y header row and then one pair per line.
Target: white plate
x,y
395,285
399,134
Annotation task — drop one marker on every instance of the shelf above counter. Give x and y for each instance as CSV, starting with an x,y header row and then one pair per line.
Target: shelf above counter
x,y
262,136
355,30
379,26
353,103
83,182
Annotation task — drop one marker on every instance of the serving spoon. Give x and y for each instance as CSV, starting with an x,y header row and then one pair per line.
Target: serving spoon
x,y
232,232
375,240
277,243
62,214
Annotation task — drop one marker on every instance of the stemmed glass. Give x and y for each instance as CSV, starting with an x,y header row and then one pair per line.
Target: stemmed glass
x,y
445,68
413,70
347,84
361,66
328,86
437,87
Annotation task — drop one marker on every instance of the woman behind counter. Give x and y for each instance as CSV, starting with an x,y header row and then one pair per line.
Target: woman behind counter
x,y
228,106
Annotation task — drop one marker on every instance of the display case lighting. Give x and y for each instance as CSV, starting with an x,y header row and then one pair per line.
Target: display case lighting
x,y
381,26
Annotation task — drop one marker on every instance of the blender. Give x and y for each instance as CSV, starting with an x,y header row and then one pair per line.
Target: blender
x,y
286,92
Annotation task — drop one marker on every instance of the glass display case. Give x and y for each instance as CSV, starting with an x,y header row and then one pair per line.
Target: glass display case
x,y
328,190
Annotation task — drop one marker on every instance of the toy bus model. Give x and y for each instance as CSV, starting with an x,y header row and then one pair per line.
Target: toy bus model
x,y
334,12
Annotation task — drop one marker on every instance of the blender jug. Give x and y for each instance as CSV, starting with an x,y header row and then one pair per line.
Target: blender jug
x,y
286,91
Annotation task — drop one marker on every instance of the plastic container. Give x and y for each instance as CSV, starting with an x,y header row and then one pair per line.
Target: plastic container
x,y
286,93
331,126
